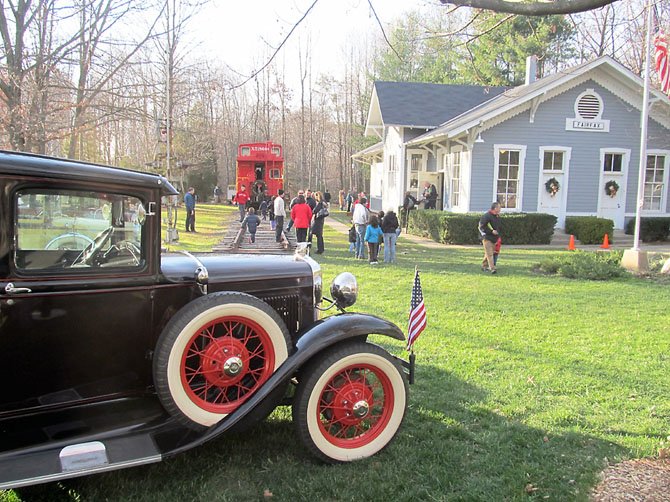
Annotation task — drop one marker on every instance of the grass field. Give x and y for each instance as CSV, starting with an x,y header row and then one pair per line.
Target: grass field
x,y
527,387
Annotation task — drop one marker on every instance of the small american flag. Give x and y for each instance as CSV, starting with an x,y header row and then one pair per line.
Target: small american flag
x,y
661,53
417,313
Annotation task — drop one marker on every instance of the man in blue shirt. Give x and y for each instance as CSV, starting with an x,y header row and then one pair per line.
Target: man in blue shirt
x,y
189,202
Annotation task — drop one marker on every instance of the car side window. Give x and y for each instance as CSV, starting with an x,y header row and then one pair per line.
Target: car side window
x,y
77,230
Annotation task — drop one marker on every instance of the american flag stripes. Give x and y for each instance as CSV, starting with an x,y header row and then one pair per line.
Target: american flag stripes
x,y
661,54
417,312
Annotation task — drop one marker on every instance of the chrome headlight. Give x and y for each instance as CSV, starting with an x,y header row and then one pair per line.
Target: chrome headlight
x,y
344,290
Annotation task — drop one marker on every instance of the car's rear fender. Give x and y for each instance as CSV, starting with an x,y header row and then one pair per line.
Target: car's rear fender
x,y
315,339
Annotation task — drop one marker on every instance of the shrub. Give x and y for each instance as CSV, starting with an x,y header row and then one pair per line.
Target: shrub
x,y
589,229
651,229
530,228
427,223
458,228
598,266
462,229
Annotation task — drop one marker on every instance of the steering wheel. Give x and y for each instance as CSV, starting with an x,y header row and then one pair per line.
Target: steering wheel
x,y
128,247
70,241
91,251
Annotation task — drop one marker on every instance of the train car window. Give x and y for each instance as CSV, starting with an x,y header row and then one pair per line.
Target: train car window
x,y
275,174
245,151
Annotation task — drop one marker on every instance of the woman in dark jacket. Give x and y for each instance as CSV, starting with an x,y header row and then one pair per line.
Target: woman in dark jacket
x,y
317,224
389,227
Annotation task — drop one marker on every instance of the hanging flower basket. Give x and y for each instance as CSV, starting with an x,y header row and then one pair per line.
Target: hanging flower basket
x,y
611,188
552,186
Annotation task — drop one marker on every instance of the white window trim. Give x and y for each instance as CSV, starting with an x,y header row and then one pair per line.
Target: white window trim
x,y
416,151
408,171
625,152
567,153
666,168
391,175
460,206
443,160
522,163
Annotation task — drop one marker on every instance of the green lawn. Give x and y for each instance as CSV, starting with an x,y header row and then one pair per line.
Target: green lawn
x,y
527,387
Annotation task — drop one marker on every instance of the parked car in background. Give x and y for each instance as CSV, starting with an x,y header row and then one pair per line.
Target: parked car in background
x,y
114,354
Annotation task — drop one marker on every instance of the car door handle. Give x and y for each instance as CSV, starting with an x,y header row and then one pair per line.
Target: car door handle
x,y
11,290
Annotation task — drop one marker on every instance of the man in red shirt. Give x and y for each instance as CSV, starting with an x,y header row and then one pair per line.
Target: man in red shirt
x,y
241,198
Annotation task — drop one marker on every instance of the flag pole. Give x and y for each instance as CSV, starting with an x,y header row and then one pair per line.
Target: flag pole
x,y
634,259
643,133
412,357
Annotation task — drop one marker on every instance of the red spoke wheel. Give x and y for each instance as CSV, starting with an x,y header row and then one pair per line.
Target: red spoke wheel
x,y
350,403
215,353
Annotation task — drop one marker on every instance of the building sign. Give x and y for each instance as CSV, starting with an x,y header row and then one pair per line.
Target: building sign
x,y
579,124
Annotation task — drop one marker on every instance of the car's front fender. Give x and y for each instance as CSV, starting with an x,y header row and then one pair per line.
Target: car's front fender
x,y
336,328
316,338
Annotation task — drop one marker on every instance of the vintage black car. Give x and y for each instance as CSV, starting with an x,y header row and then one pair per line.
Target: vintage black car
x,y
113,354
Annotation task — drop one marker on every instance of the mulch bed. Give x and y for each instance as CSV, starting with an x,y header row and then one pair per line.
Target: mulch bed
x,y
646,479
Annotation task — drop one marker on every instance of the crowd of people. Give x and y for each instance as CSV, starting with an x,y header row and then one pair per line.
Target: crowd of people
x,y
306,213
308,210
372,230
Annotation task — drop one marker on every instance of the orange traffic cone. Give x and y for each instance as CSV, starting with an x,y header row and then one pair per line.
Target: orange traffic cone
x,y
606,242
571,245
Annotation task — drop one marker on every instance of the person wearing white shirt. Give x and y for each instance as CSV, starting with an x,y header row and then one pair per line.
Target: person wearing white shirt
x,y
280,213
360,218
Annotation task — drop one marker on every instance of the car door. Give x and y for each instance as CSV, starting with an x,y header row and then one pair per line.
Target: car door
x,y
75,305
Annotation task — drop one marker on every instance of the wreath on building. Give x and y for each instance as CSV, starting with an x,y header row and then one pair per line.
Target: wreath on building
x,y
611,188
552,186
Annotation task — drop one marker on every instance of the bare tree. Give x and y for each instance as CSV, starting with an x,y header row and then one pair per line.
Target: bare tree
x,y
100,57
30,55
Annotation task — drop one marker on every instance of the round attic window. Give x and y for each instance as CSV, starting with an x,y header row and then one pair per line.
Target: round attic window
x,y
589,105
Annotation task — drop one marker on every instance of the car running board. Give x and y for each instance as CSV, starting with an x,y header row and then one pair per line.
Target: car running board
x,y
77,459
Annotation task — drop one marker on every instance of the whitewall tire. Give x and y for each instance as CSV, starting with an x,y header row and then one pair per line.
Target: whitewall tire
x,y
350,403
214,353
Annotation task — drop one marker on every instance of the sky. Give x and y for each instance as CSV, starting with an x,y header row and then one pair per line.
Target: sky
x,y
243,33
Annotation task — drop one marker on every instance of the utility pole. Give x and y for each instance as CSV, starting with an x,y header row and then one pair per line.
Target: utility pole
x,y
172,234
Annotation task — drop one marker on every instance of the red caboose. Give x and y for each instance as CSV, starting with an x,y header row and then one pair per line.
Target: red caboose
x,y
260,166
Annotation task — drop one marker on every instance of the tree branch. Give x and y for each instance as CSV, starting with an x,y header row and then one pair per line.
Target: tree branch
x,y
532,8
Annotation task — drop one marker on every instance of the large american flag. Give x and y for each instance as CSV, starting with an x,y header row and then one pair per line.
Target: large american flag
x,y
661,54
417,313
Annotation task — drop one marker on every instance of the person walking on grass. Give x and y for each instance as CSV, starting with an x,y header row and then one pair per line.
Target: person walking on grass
x,y
390,226
360,219
489,233
251,222
189,202
301,215
320,213
373,236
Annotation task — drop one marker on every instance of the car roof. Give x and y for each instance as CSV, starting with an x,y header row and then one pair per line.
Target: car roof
x,y
29,164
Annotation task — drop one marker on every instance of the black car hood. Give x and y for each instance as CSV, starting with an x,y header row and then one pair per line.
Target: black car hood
x,y
229,268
